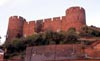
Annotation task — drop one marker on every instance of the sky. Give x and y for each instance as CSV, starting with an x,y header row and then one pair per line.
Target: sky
x,y
40,9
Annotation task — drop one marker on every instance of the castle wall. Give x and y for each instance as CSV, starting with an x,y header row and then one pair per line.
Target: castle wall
x,y
75,17
39,26
56,24
26,29
29,28
64,24
47,25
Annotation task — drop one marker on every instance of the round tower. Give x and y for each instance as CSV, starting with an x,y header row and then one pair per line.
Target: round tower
x,y
15,27
75,17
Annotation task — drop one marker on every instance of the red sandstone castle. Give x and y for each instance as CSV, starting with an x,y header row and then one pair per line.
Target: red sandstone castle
x,y
18,26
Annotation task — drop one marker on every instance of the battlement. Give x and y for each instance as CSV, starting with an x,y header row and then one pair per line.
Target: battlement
x,y
75,17
17,18
48,20
31,22
56,18
13,17
74,9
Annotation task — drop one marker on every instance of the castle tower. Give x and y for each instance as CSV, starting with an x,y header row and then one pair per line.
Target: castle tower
x,y
75,17
15,27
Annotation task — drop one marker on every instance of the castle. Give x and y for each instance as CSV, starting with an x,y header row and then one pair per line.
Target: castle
x,y
19,27
74,18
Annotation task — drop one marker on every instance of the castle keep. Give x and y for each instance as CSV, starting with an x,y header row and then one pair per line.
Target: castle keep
x,y
19,27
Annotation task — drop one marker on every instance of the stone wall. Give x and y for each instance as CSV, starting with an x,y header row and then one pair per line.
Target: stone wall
x,y
72,52
53,52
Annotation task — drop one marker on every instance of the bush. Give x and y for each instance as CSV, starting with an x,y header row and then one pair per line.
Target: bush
x,y
89,32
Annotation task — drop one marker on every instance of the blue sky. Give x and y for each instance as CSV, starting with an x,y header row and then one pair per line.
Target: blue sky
x,y
40,9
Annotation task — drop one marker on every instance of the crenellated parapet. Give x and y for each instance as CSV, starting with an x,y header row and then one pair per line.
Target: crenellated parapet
x,y
47,25
18,26
28,28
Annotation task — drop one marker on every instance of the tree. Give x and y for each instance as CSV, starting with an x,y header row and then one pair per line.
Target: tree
x,y
71,36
